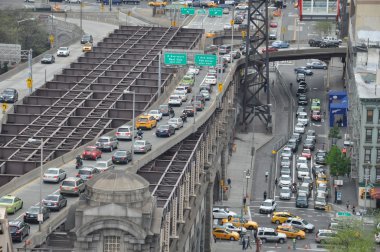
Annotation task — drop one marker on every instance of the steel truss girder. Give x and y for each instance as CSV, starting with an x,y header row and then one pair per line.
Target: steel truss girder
x,y
253,84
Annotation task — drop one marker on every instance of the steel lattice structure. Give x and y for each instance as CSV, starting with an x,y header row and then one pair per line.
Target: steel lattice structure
x,y
257,80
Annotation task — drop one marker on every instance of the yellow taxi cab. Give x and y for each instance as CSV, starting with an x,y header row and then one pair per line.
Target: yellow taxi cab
x,y
146,122
220,233
291,232
281,217
87,47
238,222
321,178
210,34
212,5
158,4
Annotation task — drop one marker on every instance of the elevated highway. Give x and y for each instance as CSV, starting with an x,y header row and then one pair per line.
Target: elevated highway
x,y
183,170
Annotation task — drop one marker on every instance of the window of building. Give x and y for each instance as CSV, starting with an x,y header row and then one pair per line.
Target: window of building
x,y
378,155
111,244
368,135
377,174
378,135
369,115
367,155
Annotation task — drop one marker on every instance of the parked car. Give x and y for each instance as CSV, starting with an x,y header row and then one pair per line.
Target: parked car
x,y
300,224
105,165
316,65
73,186
11,203
63,51
9,95
268,206
18,230
270,235
48,59
87,38
142,146
87,172
54,202
285,193
107,143
177,123
91,152
224,234
222,213
54,175
165,130
164,109
125,132
31,214
280,44
324,235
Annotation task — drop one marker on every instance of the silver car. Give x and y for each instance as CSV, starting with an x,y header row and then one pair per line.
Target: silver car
x,y
87,173
107,143
125,132
72,185
54,175
177,123
142,146
205,94
285,193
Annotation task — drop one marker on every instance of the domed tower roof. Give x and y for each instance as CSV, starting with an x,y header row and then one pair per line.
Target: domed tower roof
x,y
118,187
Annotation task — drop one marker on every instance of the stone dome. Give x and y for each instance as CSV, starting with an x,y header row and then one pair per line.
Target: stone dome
x,y
118,187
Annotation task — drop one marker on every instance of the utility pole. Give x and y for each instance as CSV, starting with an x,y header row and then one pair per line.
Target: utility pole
x,y
159,75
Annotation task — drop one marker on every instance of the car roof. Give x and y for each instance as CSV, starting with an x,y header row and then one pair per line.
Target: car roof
x,y
8,197
275,213
265,229
72,178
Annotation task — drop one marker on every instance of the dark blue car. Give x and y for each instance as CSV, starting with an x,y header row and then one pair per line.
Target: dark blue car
x,y
165,130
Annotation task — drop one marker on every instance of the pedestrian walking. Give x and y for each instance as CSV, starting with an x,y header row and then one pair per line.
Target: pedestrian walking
x,y
229,182
348,205
214,238
265,195
243,243
353,210
276,182
249,243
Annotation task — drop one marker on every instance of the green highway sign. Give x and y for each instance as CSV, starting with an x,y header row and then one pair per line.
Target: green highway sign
x,y
175,58
187,11
345,214
215,12
205,59
201,11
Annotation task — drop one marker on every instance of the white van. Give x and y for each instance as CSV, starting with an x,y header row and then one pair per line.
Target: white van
x,y
103,166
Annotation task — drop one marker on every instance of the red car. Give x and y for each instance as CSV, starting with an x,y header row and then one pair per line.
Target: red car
x,y
273,24
91,152
316,116
306,153
270,49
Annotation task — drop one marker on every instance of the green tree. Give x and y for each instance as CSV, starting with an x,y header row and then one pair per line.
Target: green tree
x,y
352,238
334,134
323,27
338,162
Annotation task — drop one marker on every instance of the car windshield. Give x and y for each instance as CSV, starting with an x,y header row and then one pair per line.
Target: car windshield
x,y
8,92
118,153
164,127
103,140
210,77
89,149
320,154
308,141
174,97
187,78
51,171
6,201
285,178
303,169
68,183
104,165
52,197
123,130
305,222
63,48
34,210
153,112
13,229
302,198
47,56
173,120
84,172
321,199
139,143
285,190
143,119
267,204
307,151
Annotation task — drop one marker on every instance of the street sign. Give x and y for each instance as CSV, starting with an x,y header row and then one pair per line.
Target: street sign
x,y
201,11
29,83
187,11
205,60
220,87
343,214
243,34
215,12
40,217
274,152
4,107
232,22
175,58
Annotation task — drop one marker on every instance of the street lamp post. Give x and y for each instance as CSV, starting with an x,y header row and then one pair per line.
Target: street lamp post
x,y
366,177
232,32
41,141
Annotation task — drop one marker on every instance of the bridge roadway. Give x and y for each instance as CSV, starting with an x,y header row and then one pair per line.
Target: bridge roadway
x,y
29,191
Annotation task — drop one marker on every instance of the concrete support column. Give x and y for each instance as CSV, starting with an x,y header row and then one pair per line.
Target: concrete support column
x,y
207,147
166,232
208,219
174,217
202,155
180,203
187,190
192,178
197,166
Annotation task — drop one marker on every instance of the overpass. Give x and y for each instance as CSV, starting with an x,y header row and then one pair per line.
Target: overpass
x,y
184,172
